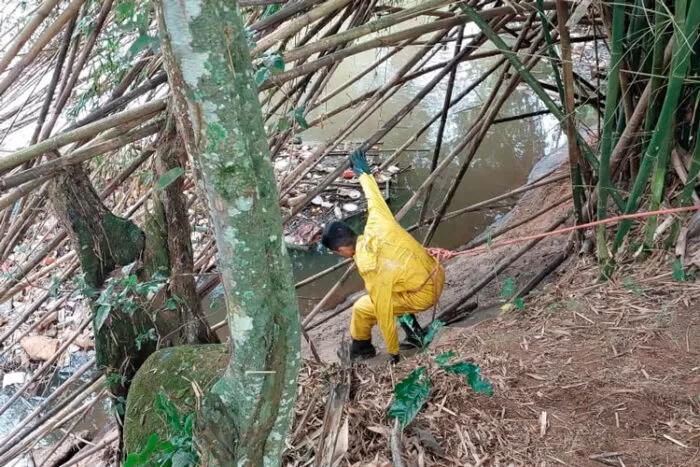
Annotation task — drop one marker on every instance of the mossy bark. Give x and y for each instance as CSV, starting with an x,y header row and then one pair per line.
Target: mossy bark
x,y
103,242
173,371
246,415
194,328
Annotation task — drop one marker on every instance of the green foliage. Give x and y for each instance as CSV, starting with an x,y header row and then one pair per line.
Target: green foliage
x,y
149,336
268,65
410,394
430,333
471,371
679,272
169,177
509,290
178,450
299,117
126,294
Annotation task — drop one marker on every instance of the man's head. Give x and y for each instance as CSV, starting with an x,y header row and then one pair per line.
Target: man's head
x,y
339,238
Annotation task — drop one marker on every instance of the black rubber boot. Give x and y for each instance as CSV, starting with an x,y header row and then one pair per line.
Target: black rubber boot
x,y
361,350
414,335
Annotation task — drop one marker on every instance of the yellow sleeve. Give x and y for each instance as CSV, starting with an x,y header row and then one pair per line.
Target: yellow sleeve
x,y
385,315
376,206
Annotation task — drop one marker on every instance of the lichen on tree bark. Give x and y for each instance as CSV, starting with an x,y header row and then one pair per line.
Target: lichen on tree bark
x,y
247,413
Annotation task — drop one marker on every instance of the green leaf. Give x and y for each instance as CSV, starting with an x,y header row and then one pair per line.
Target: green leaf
x,y
508,288
431,332
133,460
489,240
299,117
410,395
150,448
275,63
101,315
283,124
262,75
444,357
519,303
678,272
169,177
472,373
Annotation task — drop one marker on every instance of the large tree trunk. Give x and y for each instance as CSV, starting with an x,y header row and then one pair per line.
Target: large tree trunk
x,y
194,328
246,415
103,242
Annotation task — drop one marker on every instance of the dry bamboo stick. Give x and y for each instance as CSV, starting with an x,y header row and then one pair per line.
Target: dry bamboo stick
x,y
386,128
78,67
410,33
298,173
45,404
69,431
368,28
53,167
482,124
42,12
288,30
39,45
46,365
89,452
60,61
51,422
88,131
10,198
30,310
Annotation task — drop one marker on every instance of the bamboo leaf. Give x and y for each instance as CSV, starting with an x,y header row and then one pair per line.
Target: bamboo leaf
x,y
262,75
410,394
169,177
299,117
101,315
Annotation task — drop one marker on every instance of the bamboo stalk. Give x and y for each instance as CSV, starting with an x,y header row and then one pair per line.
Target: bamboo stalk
x,y
570,115
410,33
60,61
47,364
325,9
363,113
478,131
41,14
48,34
53,167
24,424
366,29
88,131
660,141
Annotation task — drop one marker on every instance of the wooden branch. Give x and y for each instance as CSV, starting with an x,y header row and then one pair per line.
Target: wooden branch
x,y
88,131
39,45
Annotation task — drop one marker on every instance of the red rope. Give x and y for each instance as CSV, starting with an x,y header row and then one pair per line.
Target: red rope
x,y
442,255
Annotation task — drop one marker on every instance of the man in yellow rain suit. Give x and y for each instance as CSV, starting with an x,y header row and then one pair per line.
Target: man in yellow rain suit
x,y
399,275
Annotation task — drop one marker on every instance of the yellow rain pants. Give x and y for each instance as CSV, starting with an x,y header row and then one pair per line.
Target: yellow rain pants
x,y
394,267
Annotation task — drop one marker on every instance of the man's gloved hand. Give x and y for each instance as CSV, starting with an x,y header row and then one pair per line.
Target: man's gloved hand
x,y
358,162
394,359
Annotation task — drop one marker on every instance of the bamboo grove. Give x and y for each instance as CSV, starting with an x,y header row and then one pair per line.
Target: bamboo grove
x,y
83,86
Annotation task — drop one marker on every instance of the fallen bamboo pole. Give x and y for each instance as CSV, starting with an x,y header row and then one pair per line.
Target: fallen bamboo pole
x,y
87,131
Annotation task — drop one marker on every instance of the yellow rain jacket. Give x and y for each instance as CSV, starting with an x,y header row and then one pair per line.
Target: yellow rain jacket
x,y
394,267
